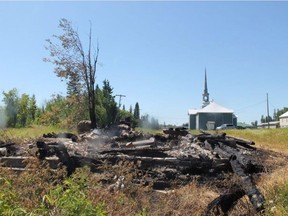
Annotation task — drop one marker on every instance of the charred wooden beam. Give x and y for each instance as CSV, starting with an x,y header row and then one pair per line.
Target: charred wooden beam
x,y
175,132
189,165
249,164
248,142
224,203
57,149
255,196
3,145
148,152
229,140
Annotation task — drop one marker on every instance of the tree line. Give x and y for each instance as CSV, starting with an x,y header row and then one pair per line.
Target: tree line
x,y
65,111
76,65
275,116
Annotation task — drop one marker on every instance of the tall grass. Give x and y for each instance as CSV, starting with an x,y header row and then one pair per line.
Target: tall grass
x,y
46,192
20,135
274,139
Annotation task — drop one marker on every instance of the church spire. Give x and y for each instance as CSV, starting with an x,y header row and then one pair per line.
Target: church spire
x,y
205,94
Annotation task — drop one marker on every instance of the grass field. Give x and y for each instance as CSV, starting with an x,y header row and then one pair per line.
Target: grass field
x,y
273,139
19,135
45,192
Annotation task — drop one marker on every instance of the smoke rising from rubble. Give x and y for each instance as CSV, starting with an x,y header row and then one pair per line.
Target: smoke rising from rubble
x,y
2,119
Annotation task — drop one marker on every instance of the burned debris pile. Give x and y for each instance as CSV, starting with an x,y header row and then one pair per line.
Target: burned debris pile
x,y
164,161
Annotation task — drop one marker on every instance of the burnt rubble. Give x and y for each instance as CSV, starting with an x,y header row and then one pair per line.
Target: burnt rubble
x,y
163,161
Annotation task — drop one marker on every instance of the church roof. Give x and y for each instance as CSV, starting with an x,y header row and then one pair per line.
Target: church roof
x,y
284,115
212,107
192,111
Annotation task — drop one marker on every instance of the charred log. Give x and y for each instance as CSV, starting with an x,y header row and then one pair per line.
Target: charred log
x,y
224,203
255,196
57,149
4,145
148,152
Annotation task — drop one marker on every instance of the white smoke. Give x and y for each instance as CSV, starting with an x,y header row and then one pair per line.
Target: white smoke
x,y
3,118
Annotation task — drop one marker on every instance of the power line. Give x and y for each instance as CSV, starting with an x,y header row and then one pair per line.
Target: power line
x,y
252,105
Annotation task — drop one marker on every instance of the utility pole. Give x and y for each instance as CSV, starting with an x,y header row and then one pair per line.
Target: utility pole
x,y
268,112
120,97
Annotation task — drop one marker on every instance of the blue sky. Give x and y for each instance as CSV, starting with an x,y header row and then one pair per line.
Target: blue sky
x,y
156,53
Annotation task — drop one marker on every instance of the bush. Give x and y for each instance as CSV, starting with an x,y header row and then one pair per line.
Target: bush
x,y
70,198
8,203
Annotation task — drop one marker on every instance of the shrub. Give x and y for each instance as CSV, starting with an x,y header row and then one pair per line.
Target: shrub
x,y
70,197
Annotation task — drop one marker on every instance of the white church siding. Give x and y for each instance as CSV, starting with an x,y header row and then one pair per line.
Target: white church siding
x,y
211,114
284,120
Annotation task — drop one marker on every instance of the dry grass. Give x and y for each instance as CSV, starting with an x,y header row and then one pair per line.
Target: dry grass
x,y
191,199
274,187
30,187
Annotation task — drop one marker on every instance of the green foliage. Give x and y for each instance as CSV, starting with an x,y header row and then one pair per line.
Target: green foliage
x,y
17,135
55,111
11,100
74,85
74,64
143,212
32,109
278,199
20,111
280,112
137,111
22,114
43,194
276,115
106,107
8,199
71,199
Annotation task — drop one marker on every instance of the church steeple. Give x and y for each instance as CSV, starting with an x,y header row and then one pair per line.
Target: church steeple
x,y
205,94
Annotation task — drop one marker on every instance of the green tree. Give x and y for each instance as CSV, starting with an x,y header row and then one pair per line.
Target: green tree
x,y
23,110
263,119
74,86
136,111
106,107
70,59
32,108
11,100
130,109
101,112
55,111
280,112
109,103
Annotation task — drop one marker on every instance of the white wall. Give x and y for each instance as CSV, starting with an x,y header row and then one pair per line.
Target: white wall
x,y
284,122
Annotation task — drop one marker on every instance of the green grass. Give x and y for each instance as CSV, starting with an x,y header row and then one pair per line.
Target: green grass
x,y
16,196
19,135
273,139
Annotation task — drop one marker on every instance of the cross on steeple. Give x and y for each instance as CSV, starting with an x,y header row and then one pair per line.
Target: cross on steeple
x,y
205,94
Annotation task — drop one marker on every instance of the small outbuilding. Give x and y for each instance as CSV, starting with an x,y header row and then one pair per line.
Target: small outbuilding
x,y
283,119
272,124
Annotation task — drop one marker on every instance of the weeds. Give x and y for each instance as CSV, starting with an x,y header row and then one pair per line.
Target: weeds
x,y
20,135
8,206
42,191
70,197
